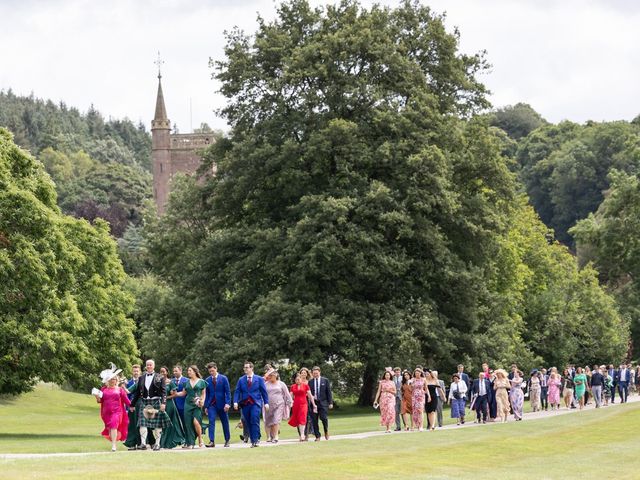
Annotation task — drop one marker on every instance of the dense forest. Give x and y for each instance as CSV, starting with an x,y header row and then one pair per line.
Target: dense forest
x,y
384,208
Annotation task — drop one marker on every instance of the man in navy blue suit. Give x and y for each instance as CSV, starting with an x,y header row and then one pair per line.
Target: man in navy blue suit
x,y
180,382
251,396
218,403
481,392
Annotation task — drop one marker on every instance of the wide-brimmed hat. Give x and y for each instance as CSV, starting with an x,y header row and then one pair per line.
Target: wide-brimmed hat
x,y
109,373
270,372
500,370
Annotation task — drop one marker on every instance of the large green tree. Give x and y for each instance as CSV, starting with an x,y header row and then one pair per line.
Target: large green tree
x,y
63,309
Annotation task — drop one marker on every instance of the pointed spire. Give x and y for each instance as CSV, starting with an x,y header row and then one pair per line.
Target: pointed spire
x,y
160,119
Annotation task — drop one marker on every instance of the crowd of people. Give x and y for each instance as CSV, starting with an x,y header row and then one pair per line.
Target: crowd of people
x,y
404,396
156,409
162,410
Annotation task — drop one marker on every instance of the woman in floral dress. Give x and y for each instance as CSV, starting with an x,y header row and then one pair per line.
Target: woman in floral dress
x,y
516,396
501,386
387,395
417,399
553,394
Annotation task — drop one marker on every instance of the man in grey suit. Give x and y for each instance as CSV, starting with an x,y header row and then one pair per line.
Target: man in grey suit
x,y
441,400
397,381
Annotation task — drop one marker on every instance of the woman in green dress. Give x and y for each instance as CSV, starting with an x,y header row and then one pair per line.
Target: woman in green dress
x,y
173,435
580,381
195,391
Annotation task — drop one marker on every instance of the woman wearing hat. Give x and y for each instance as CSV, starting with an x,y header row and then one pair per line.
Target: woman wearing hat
x,y
279,404
113,402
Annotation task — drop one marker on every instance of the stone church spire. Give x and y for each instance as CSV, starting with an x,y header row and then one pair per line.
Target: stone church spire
x,y
160,119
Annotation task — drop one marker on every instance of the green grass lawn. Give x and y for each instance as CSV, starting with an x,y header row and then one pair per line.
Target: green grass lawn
x,y
582,445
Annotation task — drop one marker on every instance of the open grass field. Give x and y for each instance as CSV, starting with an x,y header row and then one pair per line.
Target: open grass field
x,y
594,444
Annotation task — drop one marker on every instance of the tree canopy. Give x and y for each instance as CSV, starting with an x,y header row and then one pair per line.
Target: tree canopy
x,y
63,314
360,212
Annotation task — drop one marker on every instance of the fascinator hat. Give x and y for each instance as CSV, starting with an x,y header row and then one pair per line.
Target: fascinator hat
x,y
109,373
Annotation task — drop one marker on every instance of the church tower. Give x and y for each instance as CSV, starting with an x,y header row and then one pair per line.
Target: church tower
x,y
161,150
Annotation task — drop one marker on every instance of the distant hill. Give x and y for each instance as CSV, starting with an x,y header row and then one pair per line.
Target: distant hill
x,y
102,168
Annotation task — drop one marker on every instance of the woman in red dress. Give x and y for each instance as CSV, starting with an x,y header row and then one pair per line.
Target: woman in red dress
x,y
301,392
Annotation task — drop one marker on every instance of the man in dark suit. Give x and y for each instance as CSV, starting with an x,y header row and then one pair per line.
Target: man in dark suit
x,y
321,391
152,396
218,403
251,395
622,379
481,393
544,389
397,381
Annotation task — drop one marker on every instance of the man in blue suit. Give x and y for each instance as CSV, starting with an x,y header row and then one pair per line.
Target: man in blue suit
x,y
218,403
622,378
481,392
180,382
251,396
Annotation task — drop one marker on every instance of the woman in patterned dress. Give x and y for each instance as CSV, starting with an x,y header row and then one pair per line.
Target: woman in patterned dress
x,y
195,391
417,399
534,391
553,394
279,404
501,387
516,396
407,400
387,395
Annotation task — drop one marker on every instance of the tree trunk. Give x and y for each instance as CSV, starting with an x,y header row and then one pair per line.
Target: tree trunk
x,y
368,387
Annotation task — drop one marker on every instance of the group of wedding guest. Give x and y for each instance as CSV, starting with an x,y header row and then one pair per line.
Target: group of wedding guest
x,y
404,397
166,412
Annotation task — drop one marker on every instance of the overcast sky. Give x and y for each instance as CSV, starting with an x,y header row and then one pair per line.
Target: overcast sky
x,y
570,59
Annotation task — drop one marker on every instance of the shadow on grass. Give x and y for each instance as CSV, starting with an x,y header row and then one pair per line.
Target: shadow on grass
x,y
43,436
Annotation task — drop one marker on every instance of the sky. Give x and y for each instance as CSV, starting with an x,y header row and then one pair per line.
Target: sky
x,y
569,59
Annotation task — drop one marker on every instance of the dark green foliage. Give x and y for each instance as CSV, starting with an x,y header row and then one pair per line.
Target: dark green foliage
x,y
565,168
358,217
517,120
63,309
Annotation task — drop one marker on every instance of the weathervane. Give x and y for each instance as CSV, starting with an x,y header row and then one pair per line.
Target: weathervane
x,y
159,63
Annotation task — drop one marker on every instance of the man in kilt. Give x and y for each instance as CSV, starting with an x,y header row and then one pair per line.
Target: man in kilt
x,y
152,396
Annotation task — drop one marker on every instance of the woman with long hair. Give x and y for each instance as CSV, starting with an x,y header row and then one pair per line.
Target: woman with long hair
x,y
173,435
301,394
417,399
387,395
516,396
554,383
433,386
580,382
534,390
195,391
501,387
405,405
567,388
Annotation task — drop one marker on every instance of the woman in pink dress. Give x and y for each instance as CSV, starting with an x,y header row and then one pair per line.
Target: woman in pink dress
x,y
113,402
553,394
387,395
418,398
